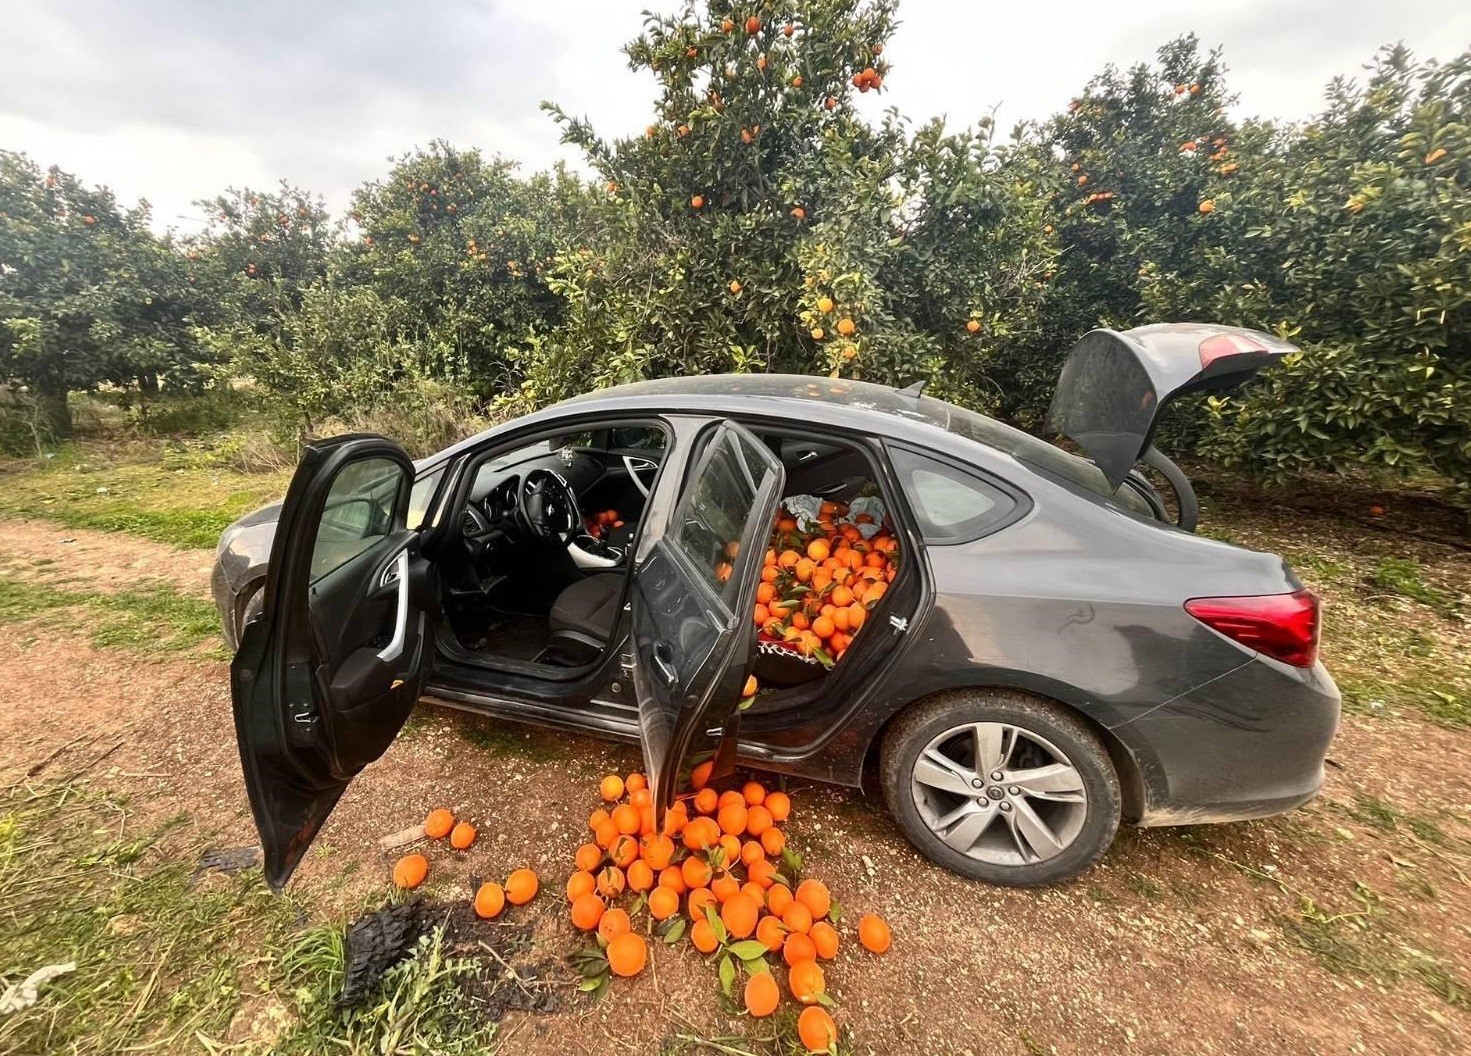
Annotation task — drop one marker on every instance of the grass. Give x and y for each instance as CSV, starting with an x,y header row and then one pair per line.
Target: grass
x,y
144,619
1440,702
167,961
153,489
1404,576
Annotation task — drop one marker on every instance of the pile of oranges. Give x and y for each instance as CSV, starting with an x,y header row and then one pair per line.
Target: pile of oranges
x,y
717,869
600,523
412,870
818,585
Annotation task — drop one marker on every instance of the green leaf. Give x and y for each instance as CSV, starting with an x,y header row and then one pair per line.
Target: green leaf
x,y
727,975
674,931
748,949
716,924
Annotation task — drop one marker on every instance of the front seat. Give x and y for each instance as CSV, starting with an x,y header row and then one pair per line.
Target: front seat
x,y
587,610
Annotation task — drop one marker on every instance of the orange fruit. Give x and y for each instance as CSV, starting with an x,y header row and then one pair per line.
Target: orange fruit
x,y
751,686
797,917
778,898
825,939
522,886
816,1029
635,782
846,326
732,818
1207,206
753,792
580,883
640,876
587,910
753,25
756,892
824,304
462,836
773,840
701,834
761,871
788,558
724,885
874,934
410,870
641,798
762,994
823,627
857,615
780,805
815,896
663,903
611,882
696,872
624,852
805,980
614,922
672,878
758,820
489,901
626,818
658,851
697,201
596,818
751,851
730,847
589,856
612,788
770,933
819,550
703,936
797,947
764,593
606,833
739,914
627,954
706,800
700,775
700,897
438,824
676,819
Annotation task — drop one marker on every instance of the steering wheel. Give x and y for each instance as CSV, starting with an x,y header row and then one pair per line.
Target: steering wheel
x,y
547,506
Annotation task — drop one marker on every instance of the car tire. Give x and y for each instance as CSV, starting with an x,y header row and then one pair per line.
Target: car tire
x,y
1069,808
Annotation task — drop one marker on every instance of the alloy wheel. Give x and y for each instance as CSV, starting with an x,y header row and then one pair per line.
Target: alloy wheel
x,y
999,793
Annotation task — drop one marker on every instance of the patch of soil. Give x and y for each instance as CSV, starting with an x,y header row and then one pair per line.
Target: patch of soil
x,y
101,562
1175,943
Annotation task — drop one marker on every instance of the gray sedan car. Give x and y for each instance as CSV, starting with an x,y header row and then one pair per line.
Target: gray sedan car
x,y
1044,647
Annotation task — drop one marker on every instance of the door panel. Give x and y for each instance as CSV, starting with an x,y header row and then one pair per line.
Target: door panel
x,y
324,680
692,633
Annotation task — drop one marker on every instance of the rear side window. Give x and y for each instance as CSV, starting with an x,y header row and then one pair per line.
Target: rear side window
x,y
952,504
711,519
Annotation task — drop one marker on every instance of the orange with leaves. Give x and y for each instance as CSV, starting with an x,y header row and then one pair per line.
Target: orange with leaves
x,y
806,982
816,1029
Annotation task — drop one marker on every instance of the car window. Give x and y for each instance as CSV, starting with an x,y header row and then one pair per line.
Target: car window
x,y
713,512
420,494
952,505
358,512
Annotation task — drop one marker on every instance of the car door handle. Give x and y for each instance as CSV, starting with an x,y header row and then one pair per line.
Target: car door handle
x,y
665,664
399,569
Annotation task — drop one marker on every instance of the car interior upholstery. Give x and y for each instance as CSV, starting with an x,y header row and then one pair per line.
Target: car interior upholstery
x,y
513,597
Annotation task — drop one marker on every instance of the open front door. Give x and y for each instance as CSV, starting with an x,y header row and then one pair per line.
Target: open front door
x,y
691,599
324,680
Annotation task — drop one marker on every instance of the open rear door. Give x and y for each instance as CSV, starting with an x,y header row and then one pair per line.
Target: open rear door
x,y
1114,385
324,680
692,596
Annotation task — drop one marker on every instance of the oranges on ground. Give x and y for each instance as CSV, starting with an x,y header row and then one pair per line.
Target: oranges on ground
x,y
770,933
580,883
410,870
589,856
873,932
587,910
816,1029
521,887
740,914
762,994
438,824
611,882
815,896
490,899
462,836
806,982
627,954
614,922
703,936
612,788
797,947
824,939
663,903
640,877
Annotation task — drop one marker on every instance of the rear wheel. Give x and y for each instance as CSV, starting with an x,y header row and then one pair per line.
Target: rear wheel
x,y
1001,787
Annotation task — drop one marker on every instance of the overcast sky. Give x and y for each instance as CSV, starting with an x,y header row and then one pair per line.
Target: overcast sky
x,y
174,100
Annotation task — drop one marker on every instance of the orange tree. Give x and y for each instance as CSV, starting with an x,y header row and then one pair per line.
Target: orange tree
x,y
1351,236
759,223
88,294
1131,168
459,245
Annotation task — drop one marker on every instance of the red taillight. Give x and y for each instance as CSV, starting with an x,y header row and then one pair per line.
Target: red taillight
x,y
1284,626
1223,345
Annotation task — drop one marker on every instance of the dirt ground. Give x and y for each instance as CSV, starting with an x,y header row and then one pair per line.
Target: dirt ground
x,y
1333,929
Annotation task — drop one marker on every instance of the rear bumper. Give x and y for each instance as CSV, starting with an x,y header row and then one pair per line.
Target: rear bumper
x,y
1246,745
